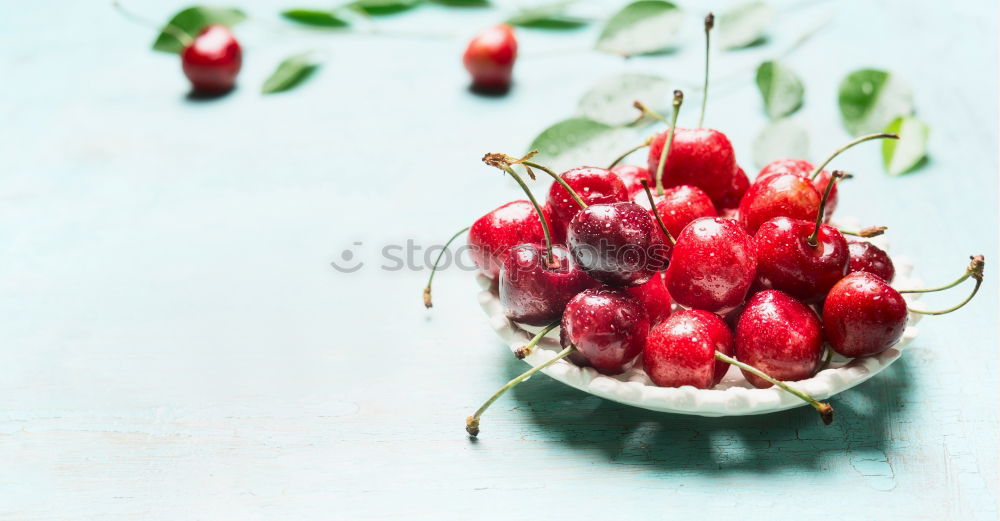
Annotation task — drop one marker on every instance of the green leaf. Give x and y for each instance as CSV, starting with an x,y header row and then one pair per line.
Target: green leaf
x,y
743,25
191,21
463,3
643,27
314,18
610,100
580,141
383,7
290,73
546,17
780,88
906,153
780,139
870,99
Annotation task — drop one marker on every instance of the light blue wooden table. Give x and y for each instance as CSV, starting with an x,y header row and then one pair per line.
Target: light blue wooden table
x,y
175,344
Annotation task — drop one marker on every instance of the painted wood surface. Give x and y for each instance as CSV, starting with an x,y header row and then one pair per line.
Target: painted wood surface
x,y
176,344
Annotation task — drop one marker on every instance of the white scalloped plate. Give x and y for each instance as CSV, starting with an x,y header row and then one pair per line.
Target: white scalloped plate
x,y
734,396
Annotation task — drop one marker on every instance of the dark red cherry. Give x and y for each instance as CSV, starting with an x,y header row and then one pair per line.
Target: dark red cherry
x,y
212,61
780,336
712,265
490,57
618,243
532,292
803,168
654,298
782,195
739,186
865,256
863,315
682,204
788,262
681,350
699,157
608,327
594,186
632,176
494,234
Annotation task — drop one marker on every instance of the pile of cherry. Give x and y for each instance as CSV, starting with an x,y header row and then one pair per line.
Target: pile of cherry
x,y
705,270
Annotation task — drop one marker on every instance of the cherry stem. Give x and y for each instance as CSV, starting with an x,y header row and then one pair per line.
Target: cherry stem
x,y
862,139
709,23
558,179
823,408
472,422
871,231
427,289
827,358
526,350
646,111
182,37
656,213
638,147
550,259
975,270
813,239
678,99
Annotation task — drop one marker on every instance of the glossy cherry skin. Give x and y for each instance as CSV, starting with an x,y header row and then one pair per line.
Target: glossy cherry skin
x,y
699,157
533,293
618,243
494,234
632,176
712,265
608,328
780,336
681,350
863,315
594,185
865,256
490,57
682,204
212,61
654,297
782,195
786,261
734,194
803,168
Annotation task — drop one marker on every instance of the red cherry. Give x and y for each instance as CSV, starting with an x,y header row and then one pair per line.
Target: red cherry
x,y
865,256
495,233
632,176
594,186
788,262
739,186
780,336
699,157
618,243
654,298
803,168
682,204
681,350
783,195
490,57
863,315
212,61
607,327
534,293
712,265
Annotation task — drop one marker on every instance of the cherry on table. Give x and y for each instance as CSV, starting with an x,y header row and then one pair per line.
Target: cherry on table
x,y
490,57
212,60
780,336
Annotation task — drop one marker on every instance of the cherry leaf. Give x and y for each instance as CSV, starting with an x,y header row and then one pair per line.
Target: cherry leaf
x,y
579,141
870,99
383,7
314,18
191,21
546,17
643,27
780,88
610,100
290,73
906,153
743,25
780,139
